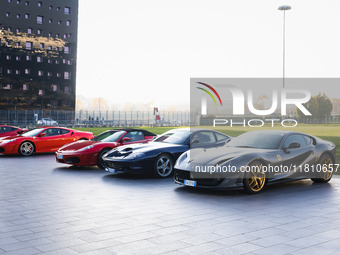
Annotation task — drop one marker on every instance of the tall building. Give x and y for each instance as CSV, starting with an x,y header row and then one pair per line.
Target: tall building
x,y
38,52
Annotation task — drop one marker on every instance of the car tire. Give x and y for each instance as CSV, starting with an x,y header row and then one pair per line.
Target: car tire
x,y
100,162
26,149
327,163
254,178
163,166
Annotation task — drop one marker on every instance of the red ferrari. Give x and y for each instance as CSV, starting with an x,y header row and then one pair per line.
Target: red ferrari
x,y
89,153
6,130
41,140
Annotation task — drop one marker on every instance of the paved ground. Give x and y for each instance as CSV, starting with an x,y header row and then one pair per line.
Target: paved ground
x,y
51,209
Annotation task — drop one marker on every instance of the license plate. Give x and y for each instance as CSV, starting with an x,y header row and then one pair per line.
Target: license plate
x,y
60,156
110,170
190,183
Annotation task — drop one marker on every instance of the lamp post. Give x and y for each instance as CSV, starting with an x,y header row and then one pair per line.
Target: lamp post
x,y
284,8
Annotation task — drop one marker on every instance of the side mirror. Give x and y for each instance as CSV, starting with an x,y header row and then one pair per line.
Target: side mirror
x,y
20,132
125,139
42,135
294,145
194,141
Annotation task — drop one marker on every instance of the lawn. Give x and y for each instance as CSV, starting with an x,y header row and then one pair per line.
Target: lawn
x,y
329,132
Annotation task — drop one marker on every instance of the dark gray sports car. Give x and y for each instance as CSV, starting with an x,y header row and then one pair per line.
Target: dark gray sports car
x,y
256,158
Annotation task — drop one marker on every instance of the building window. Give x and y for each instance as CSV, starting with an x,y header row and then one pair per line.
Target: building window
x,y
39,4
27,3
67,50
56,35
57,61
17,58
27,15
29,45
39,59
54,87
40,73
18,1
50,21
57,48
50,34
64,61
18,30
27,71
58,75
68,23
67,10
69,62
8,14
42,45
41,92
40,19
49,47
49,61
7,87
67,75
9,29
18,16
29,31
8,57
24,87
58,8
65,36
17,71
9,71
10,1
49,74
28,58
39,31
59,22
67,90
17,44
50,7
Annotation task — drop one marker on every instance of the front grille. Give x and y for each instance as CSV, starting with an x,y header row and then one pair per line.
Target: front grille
x,y
72,160
181,175
114,165
184,175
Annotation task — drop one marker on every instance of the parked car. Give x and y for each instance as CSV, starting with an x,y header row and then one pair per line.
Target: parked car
x,y
41,140
256,158
47,122
158,157
89,153
6,130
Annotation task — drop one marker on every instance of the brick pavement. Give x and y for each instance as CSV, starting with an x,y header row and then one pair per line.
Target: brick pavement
x,y
49,208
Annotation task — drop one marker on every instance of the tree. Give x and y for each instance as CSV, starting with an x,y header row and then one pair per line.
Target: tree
x,y
320,106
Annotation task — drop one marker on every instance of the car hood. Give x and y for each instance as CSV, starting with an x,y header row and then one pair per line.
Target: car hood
x,y
74,146
139,148
220,154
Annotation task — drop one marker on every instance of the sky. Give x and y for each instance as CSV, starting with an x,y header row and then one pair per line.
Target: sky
x,y
146,51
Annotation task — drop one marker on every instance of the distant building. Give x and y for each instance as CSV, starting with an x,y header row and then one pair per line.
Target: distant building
x,y
38,52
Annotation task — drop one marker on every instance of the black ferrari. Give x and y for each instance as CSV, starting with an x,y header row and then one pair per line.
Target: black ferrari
x,y
256,158
158,157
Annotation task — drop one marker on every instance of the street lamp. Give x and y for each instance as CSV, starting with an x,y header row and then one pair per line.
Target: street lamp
x,y
284,8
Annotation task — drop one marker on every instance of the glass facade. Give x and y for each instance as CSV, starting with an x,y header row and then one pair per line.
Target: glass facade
x,y
37,65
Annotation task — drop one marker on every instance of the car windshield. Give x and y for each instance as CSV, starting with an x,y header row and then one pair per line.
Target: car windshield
x,y
104,135
256,140
174,136
33,132
113,137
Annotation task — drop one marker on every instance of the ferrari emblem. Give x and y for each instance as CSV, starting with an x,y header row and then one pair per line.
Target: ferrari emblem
x,y
278,157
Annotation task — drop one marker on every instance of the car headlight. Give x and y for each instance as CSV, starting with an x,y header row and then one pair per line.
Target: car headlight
x,y
8,141
181,159
136,155
86,148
